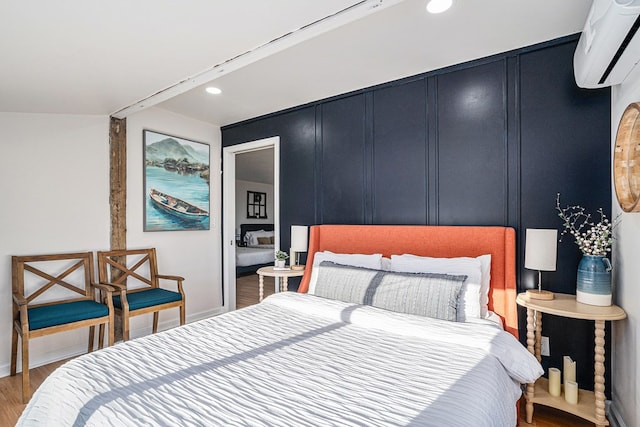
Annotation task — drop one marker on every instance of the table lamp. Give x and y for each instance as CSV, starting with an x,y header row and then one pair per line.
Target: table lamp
x,y
540,254
299,243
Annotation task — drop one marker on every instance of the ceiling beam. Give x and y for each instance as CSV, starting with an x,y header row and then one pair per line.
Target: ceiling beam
x,y
355,11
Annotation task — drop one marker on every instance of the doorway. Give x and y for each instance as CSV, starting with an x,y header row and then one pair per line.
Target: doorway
x,y
231,221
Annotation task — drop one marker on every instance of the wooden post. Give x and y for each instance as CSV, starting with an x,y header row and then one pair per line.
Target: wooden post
x,y
118,182
599,374
531,334
118,196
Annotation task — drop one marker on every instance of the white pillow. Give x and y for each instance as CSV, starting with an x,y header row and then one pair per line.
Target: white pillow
x,y
485,265
470,296
485,280
373,261
251,237
494,318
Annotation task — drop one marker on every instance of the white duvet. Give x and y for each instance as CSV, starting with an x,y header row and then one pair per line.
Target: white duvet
x,y
295,360
252,256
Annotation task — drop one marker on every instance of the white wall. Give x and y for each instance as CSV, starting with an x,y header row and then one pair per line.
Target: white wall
x,y
241,202
55,197
195,255
626,342
55,193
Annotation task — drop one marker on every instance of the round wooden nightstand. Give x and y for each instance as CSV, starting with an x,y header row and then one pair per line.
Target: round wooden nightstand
x,y
590,403
279,274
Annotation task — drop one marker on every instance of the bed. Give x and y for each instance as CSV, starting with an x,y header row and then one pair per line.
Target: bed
x,y
251,254
329,362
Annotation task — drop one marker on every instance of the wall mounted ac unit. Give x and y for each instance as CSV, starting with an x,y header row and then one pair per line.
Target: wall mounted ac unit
x,y
609,46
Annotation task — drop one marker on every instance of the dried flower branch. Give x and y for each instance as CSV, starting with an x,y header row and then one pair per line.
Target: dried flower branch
x,y
592,238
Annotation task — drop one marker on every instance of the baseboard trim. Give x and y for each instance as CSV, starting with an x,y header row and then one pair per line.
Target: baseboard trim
x,y
174,322
615,418
62,354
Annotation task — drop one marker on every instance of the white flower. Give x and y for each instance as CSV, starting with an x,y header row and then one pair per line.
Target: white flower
x,y
592,238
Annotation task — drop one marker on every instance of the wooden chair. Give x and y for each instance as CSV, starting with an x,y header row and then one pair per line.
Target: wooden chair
x,y
62,309
134,272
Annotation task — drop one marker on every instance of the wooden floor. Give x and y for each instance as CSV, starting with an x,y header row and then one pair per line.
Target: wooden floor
x,y
247,289
247,294
11,393
549,417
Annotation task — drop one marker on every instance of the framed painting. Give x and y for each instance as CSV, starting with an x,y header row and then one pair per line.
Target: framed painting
x,y
176,183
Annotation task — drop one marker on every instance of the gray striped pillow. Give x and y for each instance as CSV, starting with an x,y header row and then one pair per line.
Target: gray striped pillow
x,y
424,294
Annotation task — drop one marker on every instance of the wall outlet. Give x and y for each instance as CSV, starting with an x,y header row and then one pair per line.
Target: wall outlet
x,y
544,347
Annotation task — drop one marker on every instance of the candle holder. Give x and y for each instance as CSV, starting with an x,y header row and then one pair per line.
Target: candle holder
x,y
568,370
554,382
571,392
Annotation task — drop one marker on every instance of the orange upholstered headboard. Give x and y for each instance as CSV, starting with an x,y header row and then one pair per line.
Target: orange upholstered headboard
x,y
433,241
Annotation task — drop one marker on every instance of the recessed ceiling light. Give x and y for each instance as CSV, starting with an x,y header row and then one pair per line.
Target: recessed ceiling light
x,y
213,90
438,6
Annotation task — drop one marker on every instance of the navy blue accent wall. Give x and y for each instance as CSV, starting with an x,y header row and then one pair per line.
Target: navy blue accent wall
x,y
472,146
565,148
342,162
399,156
489,142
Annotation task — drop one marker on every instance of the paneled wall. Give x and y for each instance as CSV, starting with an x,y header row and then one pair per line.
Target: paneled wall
x,y
490,142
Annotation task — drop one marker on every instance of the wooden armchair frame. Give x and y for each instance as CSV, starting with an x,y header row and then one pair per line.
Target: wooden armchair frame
x,y
32,320
113,270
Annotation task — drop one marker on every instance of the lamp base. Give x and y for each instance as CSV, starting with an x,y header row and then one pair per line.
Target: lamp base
x,y
297,267
537,294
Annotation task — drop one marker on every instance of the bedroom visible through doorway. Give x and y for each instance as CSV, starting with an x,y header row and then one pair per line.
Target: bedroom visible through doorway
x,y
250,217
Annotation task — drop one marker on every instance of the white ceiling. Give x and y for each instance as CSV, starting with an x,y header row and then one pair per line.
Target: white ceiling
x,y
98,57
255,166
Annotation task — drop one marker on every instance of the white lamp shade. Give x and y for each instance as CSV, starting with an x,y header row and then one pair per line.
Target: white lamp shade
x,y
299,239
541,249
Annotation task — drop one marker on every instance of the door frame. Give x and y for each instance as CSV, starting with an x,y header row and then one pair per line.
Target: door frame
x,y
229,210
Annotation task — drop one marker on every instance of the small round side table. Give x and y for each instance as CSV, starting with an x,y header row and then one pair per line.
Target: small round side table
x,y
281,275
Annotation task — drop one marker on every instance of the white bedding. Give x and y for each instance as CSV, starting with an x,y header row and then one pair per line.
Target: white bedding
x,y
295,360
253,255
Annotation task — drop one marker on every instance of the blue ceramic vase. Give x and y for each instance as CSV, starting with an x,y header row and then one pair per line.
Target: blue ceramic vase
x,y
594,280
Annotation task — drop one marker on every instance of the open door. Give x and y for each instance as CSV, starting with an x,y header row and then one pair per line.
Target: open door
x,y
229,210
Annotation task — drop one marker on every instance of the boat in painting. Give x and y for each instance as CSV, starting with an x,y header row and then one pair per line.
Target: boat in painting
x,y
176,206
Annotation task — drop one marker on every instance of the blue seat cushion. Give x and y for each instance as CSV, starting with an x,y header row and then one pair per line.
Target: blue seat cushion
x,y
147,298
63,313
